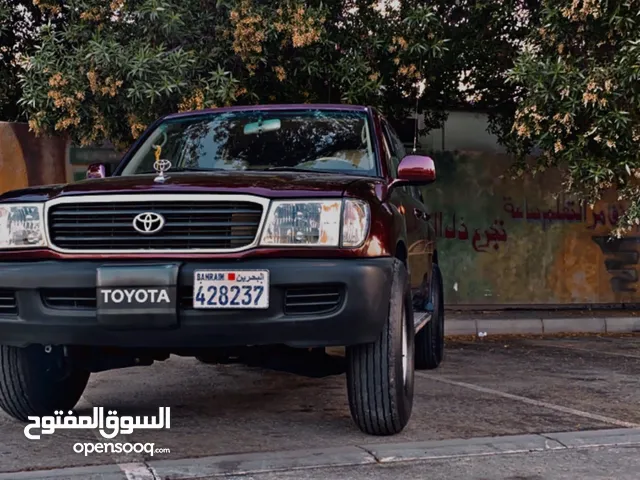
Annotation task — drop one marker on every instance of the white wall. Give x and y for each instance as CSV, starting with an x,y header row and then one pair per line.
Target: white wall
x,y
462,131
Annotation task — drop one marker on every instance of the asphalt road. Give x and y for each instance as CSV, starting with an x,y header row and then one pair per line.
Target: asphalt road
x,y
485,388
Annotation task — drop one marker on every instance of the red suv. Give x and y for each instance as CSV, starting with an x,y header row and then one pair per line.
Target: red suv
x,y
221,232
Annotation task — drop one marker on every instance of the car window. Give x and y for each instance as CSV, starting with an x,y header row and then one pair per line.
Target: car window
x,y
314,139
392,149
397,152
401,151
392,162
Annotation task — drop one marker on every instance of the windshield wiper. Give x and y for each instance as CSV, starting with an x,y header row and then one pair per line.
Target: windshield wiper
x,y
186,169
291,169
353,173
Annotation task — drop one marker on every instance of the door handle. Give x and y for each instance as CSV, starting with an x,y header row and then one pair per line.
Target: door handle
x,y
420,214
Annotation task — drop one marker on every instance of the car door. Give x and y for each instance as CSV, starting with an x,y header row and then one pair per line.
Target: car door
x,y
420,241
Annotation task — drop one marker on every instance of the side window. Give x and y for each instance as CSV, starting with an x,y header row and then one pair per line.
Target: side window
x,y
392,149
398,145
391,156
399,152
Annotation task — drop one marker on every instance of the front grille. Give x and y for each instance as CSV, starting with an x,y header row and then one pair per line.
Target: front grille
x,y
85,298
211,225
298,300
312,300
8,304
67,298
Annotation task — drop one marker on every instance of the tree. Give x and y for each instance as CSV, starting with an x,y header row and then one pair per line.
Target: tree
x,y
579,78
113,67
20,21
485,39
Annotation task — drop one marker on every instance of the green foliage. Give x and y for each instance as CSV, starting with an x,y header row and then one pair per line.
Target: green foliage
x,y
114,67
557,77
19,23
105,70
581,74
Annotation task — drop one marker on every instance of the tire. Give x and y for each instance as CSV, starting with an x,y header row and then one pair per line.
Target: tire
x,y
380,390
430,340
34,383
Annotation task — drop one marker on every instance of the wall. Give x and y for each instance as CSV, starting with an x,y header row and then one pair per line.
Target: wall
x,y
463,130
506,242
26,160
81,157
532,245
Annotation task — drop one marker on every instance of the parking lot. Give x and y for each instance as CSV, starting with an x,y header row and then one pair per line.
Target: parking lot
x,y
493,386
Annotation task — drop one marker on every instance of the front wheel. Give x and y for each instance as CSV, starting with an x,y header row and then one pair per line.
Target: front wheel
x,y
380,374
36,383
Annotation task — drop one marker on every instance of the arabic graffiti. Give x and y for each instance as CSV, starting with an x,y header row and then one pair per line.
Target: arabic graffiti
x,y
124,425
567,214
621,255
609,218
571,212
493,236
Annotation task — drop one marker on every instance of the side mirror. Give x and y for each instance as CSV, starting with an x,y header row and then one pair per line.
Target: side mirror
x,y
415,170
98,170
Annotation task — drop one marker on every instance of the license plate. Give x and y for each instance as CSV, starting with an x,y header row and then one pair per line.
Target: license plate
x,y
231,289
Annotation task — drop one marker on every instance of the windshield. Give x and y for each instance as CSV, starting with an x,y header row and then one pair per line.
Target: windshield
x,y
315,140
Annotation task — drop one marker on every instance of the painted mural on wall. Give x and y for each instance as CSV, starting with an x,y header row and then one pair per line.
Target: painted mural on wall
x,y
510,242
27,161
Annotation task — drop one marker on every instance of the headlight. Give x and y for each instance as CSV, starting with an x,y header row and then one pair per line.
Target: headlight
x,y
316,223
355,226
21,225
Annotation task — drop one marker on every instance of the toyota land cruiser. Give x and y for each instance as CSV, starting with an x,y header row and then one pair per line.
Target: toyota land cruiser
x,y
301,226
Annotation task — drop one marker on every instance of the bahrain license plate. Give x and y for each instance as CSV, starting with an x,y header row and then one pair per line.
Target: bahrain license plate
x,y
231,289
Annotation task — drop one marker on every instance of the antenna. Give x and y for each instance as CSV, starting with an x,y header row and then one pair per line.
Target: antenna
x,y
415,133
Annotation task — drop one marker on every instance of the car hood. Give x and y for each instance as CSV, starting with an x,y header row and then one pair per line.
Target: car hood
x,y
266,184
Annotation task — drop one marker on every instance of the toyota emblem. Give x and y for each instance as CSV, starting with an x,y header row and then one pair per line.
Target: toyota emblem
x,y
148,223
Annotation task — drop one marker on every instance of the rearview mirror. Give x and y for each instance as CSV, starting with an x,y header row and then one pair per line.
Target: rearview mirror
x,y
416,170
262,126
98,170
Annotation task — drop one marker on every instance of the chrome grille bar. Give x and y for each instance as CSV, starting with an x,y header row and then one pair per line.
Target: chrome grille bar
x,y
194,223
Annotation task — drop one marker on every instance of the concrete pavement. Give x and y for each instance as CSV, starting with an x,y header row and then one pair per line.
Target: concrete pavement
x,y
539,321
589,464
495,387
322,461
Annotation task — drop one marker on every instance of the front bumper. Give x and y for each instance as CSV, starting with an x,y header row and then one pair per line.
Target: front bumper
x,y
54,303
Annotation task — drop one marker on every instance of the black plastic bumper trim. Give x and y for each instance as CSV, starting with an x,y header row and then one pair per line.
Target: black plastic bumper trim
x,y
358,317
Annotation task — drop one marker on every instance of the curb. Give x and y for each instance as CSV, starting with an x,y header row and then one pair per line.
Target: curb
x,y
264,462
541,326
